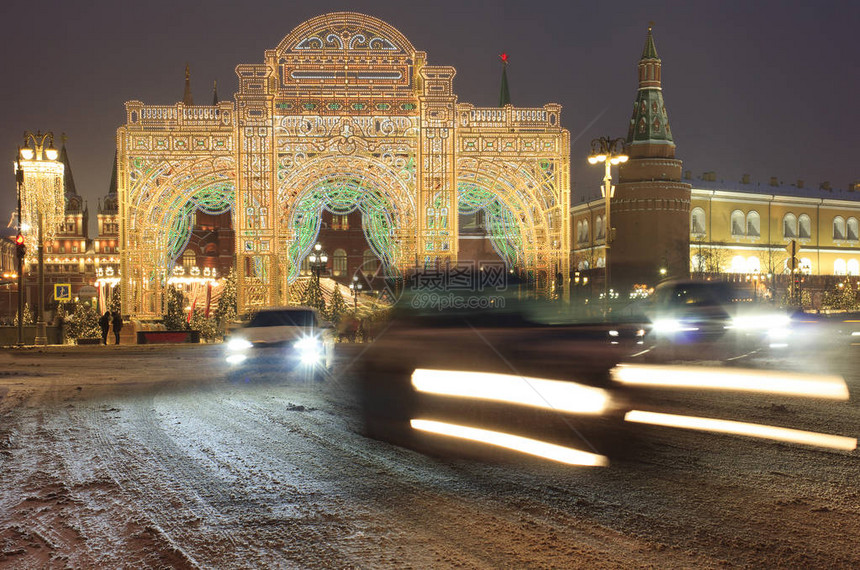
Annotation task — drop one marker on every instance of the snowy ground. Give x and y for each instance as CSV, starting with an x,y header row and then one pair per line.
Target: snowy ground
x,y
145,457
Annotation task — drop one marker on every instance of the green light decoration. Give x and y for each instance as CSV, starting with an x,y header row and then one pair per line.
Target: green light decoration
x,y
502,227
212,194
342,195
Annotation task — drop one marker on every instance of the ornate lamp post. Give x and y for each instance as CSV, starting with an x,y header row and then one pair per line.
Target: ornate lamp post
x,y
609,152
43,202
355,287
317,260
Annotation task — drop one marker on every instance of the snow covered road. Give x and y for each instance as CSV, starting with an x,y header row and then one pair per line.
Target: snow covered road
x,y
146,457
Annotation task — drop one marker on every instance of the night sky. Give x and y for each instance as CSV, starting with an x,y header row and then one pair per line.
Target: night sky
x,y
765,88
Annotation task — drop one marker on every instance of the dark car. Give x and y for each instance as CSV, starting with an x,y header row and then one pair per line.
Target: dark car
x,y
489,362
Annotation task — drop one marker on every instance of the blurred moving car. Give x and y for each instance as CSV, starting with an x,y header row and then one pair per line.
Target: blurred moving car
x,y
716,314
280,339
491,362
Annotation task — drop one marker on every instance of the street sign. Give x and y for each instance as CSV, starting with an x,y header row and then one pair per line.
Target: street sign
x,y
62,292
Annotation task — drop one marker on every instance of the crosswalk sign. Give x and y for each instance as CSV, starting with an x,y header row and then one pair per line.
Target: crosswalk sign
x,y
62,292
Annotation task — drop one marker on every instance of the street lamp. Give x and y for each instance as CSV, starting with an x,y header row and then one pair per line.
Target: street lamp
x,y
355,288
317,260
609,152
40,195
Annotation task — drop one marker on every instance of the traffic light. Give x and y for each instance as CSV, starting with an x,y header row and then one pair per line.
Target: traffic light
x,y
20,248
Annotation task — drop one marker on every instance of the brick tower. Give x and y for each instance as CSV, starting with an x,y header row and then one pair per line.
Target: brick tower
x,y
651,207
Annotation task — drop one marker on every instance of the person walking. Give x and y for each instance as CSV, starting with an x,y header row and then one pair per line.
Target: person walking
x,y
104,324
117,325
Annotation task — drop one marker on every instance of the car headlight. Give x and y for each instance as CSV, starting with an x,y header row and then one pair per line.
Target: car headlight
x,y
761,322
310,350
671,326
238,345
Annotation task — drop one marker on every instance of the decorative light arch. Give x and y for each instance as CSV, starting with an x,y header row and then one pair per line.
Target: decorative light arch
x,y
343,114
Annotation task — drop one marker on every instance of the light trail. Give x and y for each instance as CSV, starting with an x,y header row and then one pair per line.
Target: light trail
x,y
525,445
741,428
535,392
787,383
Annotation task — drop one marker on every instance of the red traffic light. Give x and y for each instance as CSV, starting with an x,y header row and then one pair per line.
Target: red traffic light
x,y
19,239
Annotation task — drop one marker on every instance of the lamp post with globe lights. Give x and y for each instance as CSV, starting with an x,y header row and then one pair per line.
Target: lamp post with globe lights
x,y
355,288
610,152
40,190
318,259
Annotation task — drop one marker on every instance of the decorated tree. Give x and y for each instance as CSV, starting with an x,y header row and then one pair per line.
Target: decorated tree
x,y
208,327
28,315
337,306
174,318
226,309
81,321
313,296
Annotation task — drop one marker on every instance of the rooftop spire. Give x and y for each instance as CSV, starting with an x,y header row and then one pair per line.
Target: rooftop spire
x,y
650,51
649,125
186,97
504,92
68,179
112,188
215,92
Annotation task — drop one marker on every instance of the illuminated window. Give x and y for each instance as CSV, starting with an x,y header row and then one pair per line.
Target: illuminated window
x,y
697,221
753,264
737,223
804,226
789,226
840,267
189,259
853,267
739,264
838,227
598,227
805,265
697,262
338,262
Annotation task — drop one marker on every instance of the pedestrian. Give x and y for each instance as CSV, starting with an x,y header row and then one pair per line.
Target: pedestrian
x,y
104,324
117,325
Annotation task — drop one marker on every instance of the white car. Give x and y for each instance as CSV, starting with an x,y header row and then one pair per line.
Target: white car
x,y
284,339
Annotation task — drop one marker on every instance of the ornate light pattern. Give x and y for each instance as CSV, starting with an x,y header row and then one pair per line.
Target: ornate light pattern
x,y
42,190
344,114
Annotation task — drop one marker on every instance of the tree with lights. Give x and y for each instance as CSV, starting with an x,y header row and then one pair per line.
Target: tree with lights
x,y
227,309
337,306
174,319
313,296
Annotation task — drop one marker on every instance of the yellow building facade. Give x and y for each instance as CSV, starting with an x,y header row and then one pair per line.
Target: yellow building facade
x,y
750,231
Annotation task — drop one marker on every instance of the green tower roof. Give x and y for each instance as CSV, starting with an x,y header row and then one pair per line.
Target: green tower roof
x,y
504,92
650,51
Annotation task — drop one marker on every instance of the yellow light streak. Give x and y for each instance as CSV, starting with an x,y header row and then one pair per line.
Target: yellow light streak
x,y
742,428
514,442
787,383
534,392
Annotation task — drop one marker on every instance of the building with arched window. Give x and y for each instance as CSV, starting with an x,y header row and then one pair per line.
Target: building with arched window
x,y
747,221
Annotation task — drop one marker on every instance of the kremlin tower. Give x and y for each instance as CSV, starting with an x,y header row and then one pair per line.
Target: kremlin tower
x,y
651,206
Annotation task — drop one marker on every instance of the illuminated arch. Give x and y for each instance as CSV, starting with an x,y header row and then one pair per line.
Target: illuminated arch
x,y
520,207
342,184
326,33
162,198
